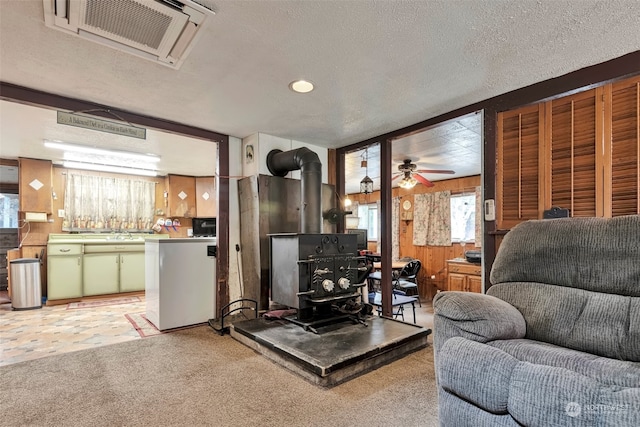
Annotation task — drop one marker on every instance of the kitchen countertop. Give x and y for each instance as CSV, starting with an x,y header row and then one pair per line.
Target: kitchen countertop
x,y
106,239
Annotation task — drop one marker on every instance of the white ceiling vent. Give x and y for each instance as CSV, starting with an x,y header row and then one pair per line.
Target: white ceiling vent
x,y
160,30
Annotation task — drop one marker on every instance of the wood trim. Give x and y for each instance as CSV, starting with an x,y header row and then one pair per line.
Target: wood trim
x,y
11,92
603,150
544,165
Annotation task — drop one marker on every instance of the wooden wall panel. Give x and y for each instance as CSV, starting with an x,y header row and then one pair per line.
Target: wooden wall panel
x,y
624,191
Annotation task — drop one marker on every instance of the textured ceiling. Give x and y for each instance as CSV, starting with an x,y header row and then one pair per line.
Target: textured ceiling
x,y
378,65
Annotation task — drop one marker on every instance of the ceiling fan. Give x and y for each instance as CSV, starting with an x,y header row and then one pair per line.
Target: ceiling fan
x,y
411,174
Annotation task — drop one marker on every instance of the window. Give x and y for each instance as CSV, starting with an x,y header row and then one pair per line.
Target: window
x,y
9,210
463,218
368,215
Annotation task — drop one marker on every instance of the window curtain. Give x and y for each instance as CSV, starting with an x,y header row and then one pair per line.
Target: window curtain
x,y
432,219
354,213
395,226
104,203
379,243
479,216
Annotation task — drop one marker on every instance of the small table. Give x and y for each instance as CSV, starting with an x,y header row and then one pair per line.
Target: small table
x,y
395,265
396,301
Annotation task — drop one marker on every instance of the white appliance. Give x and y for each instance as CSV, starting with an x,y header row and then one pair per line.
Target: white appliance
x,y
180,281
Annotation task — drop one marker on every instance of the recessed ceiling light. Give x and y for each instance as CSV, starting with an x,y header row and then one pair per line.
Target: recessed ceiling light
x,y
301,86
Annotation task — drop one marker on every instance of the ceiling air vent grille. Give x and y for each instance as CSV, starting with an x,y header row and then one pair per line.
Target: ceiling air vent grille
x,y
153,29
129,20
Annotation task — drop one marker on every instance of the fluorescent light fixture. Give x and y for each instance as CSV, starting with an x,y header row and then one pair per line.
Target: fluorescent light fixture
x,y
100,151
109,168
301,86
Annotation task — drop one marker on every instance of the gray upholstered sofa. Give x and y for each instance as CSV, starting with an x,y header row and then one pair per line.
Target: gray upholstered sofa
x,y
556,340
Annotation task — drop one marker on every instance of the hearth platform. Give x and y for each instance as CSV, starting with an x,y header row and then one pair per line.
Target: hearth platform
x,y
338,352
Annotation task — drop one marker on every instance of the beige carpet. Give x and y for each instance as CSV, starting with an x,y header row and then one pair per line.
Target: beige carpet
x,y
195,377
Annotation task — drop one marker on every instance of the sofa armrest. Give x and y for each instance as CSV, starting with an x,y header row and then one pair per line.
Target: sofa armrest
x,y
477,317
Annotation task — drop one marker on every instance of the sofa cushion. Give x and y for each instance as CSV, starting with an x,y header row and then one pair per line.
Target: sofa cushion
x,y
603,324
606,371
456,412
475,316
476,372
544,396
534,394
597,254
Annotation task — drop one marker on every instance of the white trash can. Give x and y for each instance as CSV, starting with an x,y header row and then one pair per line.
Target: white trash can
x,y
26,293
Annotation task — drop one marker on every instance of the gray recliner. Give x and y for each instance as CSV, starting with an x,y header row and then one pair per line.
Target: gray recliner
x,y
556,340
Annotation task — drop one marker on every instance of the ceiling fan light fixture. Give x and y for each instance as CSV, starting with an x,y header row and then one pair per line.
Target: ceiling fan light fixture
x,y
366,185
408,182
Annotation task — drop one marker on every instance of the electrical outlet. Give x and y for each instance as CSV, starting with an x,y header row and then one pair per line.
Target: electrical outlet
x,y
60,213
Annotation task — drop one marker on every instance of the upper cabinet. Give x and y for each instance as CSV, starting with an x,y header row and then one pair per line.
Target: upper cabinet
x,y
206,196
35,185
182,196
580,152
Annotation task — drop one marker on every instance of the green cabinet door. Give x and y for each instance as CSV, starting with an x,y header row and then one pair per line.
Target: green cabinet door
x,y
131,271
64,277
100,273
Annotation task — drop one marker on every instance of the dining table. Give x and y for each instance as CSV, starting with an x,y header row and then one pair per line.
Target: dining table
x,y
376,275
395,265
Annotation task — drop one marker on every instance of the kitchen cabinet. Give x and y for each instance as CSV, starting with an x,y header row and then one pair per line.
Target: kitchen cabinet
x,y
110,269
64,271
206,206
182,196
35,182
464,276
132,271
100,274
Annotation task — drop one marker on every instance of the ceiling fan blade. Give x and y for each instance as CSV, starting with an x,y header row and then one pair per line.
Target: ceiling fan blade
x,y
435,171
424,181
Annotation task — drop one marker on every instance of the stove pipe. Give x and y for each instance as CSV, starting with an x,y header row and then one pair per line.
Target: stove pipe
x,y
280,163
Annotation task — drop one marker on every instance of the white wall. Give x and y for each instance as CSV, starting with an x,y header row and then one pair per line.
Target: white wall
x,y
256,147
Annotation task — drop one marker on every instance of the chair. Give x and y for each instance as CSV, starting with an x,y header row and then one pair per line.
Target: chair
x,y
396,310
553,341
407,280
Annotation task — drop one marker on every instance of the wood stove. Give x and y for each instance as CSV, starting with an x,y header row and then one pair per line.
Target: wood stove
x,y
318,274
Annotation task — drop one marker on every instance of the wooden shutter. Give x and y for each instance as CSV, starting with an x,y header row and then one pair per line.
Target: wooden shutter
x,y
518,166
573,170
623,149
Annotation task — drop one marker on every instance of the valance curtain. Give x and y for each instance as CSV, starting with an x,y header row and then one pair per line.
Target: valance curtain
x,y
96,202
432,219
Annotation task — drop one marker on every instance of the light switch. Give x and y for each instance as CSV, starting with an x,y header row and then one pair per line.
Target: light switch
x,y
60,213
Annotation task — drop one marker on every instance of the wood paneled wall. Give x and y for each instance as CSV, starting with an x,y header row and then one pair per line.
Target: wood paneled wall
x,y
433,272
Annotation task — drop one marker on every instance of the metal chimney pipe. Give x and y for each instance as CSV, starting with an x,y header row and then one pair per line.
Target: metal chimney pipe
x,y
281,162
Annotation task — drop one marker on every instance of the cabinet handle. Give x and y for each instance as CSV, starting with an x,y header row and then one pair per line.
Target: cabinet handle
x,y
78,260
65,250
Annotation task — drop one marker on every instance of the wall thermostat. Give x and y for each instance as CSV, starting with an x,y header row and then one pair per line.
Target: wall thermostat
x,y
489,210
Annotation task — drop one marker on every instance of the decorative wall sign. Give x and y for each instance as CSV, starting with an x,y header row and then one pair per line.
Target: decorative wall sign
x,y
101,125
